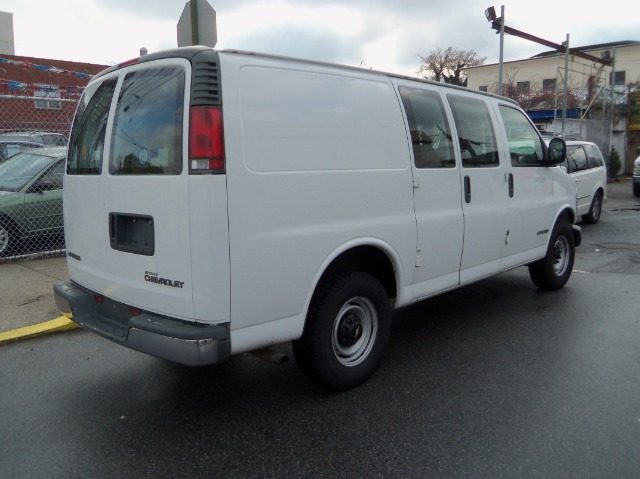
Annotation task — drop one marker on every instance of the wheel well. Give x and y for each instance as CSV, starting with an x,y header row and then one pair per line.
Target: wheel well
x,y
367,259
568,214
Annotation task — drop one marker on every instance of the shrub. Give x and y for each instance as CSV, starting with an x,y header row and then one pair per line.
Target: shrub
x,y
614,163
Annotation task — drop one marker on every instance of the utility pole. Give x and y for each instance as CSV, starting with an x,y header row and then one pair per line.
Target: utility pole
x,y
501,49
611,109
566,84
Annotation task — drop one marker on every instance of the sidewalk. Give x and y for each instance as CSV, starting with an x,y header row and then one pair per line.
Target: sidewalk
x,y
26,293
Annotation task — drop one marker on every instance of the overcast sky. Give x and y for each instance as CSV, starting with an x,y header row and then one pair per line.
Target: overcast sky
x,y
382,34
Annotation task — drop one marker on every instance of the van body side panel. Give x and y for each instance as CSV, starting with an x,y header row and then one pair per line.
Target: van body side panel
x,y
328,165
209,234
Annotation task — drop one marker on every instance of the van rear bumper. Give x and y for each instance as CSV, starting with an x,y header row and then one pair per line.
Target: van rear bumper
x,y
191,344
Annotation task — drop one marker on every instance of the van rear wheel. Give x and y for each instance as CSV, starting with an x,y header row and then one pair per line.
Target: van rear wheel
x,y
346,332
553,271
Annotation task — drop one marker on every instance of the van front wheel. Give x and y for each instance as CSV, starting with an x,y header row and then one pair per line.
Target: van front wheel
x,y
553,271
346,332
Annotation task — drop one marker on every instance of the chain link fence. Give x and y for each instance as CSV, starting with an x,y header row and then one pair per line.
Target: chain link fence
x,y
34,134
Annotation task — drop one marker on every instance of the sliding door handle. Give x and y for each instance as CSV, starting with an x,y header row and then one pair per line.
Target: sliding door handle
x,y
467,189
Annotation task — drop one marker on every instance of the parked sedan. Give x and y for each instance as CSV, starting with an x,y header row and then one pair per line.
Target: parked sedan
x,y
10,147
43,137
30,197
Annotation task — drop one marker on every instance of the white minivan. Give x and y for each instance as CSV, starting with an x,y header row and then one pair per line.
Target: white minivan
x,y
585,165
221,202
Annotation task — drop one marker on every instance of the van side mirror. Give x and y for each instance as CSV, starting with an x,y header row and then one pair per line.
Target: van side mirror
x,y
557,151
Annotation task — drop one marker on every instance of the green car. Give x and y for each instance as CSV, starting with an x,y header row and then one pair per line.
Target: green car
x,y
30,198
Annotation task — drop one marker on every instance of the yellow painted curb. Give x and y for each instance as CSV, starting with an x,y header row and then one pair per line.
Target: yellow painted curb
x,y
54,326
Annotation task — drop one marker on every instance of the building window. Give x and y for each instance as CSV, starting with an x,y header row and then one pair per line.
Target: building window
x,y
47,97
549,84
620,78
483,88
523,86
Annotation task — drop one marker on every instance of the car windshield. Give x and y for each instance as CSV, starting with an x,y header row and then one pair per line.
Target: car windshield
x,y
18,170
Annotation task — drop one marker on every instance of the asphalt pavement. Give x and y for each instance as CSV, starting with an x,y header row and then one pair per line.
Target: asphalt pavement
x,y
26,286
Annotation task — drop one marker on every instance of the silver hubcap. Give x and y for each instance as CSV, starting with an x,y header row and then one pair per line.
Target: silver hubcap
x,y
560,255
354,331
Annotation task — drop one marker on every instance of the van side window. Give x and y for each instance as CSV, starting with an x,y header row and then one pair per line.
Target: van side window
x,y
147,128
577,158
475,132
525,145
89,128
594,156
430,133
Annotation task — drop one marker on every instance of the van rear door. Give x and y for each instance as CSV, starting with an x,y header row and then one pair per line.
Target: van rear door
x,y
126,191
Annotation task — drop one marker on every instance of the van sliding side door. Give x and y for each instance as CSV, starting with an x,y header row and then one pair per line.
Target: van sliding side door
x,y
485,187
440,225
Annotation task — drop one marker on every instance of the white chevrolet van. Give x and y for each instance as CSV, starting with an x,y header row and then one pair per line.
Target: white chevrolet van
x,y
220,202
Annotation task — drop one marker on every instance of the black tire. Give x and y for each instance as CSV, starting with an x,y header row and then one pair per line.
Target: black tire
x,y
636,189
553,271
595,210
7,237
346,332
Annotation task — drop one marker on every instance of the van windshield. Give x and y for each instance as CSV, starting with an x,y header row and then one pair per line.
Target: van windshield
x,y
147,130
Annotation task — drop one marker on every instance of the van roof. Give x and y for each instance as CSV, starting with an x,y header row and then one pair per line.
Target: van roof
x,y
189,52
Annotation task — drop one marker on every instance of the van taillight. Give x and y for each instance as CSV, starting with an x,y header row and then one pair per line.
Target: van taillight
x,y
206,140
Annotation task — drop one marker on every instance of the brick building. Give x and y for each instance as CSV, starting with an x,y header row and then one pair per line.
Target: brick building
x,y
41,94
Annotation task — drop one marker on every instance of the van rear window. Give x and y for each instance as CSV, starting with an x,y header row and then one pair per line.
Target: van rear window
x,y
89,128
147,130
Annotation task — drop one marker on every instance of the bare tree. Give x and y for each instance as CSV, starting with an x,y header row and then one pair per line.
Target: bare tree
x,y
448,65
535,99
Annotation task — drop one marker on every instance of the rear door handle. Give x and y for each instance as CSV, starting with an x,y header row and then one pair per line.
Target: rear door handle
x,y
510,185
467,189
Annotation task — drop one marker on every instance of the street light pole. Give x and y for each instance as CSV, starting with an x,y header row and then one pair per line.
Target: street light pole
x,y
498,24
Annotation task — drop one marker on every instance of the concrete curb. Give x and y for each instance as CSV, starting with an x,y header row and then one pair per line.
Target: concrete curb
x,y
54,326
